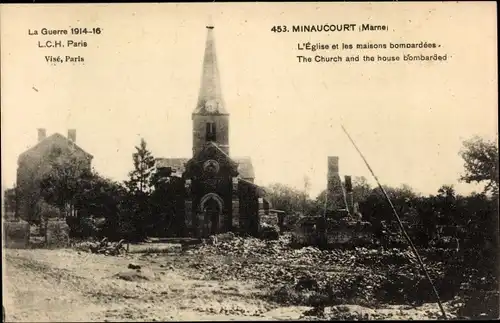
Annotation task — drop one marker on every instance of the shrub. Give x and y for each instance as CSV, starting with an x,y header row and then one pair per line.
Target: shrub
x,y
82,227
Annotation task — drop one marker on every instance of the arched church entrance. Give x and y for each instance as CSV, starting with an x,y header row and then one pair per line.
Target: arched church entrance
x,y
211,206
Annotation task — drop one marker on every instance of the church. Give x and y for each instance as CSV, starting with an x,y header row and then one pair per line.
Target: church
x,y
219,192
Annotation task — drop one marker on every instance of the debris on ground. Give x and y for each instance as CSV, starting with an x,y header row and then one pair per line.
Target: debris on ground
x,y
131,276
321,279
269,232
104,247
309,276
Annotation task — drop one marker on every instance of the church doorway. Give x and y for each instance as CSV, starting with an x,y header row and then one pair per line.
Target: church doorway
x,y
211,206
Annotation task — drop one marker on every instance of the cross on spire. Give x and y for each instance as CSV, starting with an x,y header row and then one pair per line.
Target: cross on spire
x,y
210,24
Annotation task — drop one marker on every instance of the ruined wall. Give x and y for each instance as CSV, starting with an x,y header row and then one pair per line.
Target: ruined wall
x,y
249,219
346,236
334,185
349,194
317,231
57,233
16,234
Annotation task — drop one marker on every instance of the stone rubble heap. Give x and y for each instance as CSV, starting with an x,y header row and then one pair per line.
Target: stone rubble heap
x,y
104,247
359,275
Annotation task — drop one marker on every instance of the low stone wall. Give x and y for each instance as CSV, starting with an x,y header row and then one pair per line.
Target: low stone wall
x,y
57,234
346,236
16,234
315,231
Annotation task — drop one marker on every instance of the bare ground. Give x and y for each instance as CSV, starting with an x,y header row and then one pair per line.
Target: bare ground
x,y
68,285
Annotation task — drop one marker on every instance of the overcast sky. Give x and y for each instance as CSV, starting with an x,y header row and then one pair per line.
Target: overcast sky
x,y
141,79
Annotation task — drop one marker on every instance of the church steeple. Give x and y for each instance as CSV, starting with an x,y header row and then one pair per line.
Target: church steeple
x,y
210,100
210,117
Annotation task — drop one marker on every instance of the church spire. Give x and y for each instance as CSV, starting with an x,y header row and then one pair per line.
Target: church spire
x,y
210,99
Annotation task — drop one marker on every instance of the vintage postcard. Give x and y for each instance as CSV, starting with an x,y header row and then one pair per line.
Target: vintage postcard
x,y
249,161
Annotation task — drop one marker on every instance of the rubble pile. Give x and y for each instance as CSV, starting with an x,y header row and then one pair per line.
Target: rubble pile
x,y
339,276
323,278
360,313
103,247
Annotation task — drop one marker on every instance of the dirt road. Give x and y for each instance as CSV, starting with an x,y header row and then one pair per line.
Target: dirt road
x,y
66,285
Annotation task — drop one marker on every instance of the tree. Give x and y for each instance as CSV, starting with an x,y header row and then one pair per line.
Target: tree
x,y
447,192
70,182
288,199
99,198
137,208
481,163
360,189
446,204
62,183
481,166
375,207
140,177
167,201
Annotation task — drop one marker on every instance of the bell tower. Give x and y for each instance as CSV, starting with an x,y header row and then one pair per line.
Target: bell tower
x,y
210,117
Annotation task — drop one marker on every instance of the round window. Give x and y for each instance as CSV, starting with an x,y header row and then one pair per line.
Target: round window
x,y
211,166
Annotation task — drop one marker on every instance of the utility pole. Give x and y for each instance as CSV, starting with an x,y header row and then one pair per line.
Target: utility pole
x,y
412,246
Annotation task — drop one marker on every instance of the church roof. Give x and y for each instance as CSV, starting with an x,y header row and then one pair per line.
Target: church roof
x,y
178,165
261,191
245,167
210,100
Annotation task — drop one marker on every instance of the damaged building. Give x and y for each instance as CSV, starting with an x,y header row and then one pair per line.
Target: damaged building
x,y
219,192
341,223
36,162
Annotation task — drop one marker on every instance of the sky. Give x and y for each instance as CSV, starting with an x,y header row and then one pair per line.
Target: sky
x,y
141,79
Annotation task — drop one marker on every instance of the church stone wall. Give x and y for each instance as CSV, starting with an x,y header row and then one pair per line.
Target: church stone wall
x,y
236,214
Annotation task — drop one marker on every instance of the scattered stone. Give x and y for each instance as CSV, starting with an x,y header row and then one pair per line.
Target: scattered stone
x,y
268,232
103,247
131,276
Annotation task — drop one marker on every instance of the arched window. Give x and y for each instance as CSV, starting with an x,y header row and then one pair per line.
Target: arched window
x,y
210,131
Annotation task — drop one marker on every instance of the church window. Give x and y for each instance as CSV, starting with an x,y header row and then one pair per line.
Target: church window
x,y
211,133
